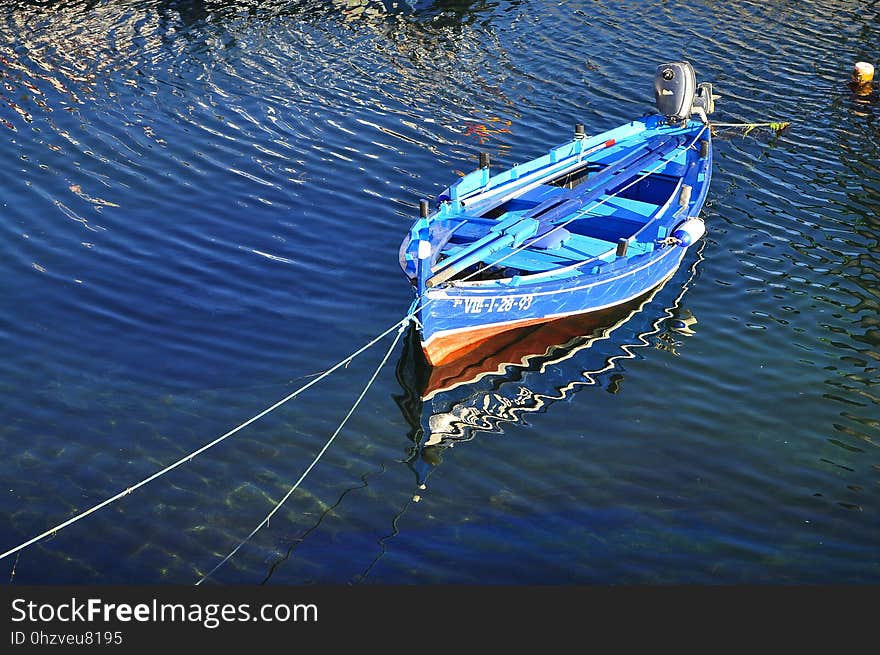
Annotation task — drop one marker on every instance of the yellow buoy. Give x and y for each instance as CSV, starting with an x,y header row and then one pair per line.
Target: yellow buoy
x,y
862,76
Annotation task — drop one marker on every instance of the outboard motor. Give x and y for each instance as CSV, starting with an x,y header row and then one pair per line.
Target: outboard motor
x,y
677,94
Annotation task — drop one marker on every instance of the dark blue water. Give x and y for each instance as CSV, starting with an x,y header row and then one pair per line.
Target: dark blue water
x,y
201,207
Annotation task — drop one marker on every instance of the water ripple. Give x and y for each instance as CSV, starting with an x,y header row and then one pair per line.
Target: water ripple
x,y
203,203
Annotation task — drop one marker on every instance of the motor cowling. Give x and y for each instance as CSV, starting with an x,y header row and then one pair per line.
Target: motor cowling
x,y
675,85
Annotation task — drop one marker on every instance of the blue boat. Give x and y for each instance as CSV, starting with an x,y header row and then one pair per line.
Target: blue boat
x,y
594,223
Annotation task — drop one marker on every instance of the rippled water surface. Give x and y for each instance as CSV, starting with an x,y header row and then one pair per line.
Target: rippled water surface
x,y
201,208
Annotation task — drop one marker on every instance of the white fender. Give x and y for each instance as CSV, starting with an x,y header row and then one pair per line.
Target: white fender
x,y
689,232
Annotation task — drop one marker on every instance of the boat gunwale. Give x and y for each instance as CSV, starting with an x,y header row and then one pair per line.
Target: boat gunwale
x,y
441,292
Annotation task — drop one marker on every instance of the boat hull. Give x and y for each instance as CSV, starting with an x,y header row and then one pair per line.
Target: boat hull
x,y
520,347
455,321
590,226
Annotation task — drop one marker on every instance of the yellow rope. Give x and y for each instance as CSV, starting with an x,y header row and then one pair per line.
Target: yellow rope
x,y
776,126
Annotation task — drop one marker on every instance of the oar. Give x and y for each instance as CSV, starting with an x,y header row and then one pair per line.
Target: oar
x,y
513,236
486,199
549,211
499,228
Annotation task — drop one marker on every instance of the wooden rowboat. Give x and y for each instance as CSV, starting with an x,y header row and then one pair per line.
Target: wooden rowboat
x,y
594,223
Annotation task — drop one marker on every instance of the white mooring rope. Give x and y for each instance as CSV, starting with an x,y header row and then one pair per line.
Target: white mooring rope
x,y
320,454
400,324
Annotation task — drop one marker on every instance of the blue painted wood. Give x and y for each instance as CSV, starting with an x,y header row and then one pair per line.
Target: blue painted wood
x,y
496,259
582,196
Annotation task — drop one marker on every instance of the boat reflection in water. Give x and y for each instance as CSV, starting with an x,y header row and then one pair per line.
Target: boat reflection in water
x,y
520,372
